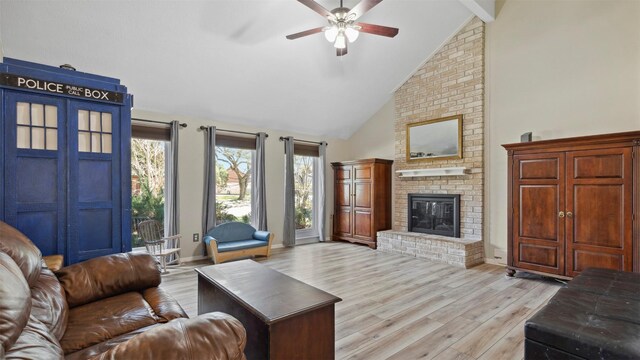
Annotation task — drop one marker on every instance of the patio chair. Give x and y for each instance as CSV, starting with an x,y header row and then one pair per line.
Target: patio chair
x,y
158,245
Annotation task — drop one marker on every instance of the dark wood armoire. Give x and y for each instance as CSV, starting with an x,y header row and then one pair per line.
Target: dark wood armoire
x,y
572,204
362,200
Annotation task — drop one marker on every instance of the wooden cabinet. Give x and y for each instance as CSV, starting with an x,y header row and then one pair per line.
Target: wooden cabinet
x,y
572,204
362,200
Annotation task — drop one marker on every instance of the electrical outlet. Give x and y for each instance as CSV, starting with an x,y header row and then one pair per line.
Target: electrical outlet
x,y
196,237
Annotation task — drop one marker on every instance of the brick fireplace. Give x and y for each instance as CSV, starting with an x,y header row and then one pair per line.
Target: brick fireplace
x,y
450,83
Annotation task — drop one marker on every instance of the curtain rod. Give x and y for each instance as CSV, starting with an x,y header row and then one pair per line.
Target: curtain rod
x,y
305,141
184,125
234,131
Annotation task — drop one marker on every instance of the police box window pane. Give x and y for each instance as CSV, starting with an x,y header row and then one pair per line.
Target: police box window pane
x,y
84,141
37,115
83,120
51,116
23,113
106,122
95,143
94,119
24,137
52,139
37,138
106,143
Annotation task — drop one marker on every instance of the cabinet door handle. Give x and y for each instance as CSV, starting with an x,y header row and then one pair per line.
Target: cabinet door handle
x,y
561,214
569,214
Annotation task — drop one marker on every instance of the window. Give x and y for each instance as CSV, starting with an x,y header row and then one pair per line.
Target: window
x,y
148,154
94,132
37,126
304,173
234,163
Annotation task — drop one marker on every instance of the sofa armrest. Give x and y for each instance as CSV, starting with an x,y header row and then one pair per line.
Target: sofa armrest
x,y
53,262
208,239
107,276
261,235
208,336
165,306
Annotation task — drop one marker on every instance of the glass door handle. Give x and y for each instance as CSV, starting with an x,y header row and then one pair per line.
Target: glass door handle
x,y
561,214
569,214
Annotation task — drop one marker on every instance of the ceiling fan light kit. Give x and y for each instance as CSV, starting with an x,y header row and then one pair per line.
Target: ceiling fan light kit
x,y
342,26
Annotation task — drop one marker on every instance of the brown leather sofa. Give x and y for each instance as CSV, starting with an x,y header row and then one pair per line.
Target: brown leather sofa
x,y
105,308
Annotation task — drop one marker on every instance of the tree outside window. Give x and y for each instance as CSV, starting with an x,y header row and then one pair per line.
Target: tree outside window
x,y
233,184
303,173
147,183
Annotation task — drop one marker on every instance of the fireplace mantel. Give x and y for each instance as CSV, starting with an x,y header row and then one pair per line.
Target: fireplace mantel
x,y
449,171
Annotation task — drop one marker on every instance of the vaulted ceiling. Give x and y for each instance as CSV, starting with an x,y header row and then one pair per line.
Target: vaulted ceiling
x,y
228,60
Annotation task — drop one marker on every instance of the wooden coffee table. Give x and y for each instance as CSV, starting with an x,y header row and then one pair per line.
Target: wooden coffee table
x,y
284,318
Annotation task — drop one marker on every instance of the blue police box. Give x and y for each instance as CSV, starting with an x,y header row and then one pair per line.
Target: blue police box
x,y
65,170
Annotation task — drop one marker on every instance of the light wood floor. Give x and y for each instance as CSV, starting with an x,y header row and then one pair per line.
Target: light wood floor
x,y
397,307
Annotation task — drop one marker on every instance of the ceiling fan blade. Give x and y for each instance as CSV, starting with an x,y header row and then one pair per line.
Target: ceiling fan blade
x,y
341,52
378,29
305,33
362,7
317,8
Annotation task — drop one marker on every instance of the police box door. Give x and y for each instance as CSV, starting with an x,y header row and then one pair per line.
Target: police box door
x,y
35,168
94,199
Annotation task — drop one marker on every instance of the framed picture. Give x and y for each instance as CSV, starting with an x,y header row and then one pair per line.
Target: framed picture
x,y
438,139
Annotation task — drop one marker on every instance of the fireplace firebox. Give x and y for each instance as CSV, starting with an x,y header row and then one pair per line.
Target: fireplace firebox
x,y
437,214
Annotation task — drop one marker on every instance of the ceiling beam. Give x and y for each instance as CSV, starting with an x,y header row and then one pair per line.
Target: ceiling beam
x,y
484,9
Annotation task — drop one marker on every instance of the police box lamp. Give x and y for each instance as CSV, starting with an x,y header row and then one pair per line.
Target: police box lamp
x,y
67,67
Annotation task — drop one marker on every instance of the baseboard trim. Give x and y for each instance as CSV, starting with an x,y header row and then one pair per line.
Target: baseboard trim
x,y
494,262
193,258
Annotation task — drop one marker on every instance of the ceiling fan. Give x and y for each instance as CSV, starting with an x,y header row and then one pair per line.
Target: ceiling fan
x,y
342,24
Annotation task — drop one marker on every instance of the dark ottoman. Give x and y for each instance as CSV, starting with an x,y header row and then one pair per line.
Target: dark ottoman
x,y
597,316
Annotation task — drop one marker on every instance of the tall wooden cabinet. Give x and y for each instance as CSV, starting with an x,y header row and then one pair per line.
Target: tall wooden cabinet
x,y
65,160
362,200
572,204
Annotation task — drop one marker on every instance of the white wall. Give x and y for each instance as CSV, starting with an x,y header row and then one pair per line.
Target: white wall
x,y
191,168
1,46
376,138
558,69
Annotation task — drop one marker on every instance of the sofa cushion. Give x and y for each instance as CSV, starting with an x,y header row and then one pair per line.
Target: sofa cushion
x,y
107,276
240,245
231,231
48,303
22,251
35,342
208,336
104,346
102,320
15,303
588,325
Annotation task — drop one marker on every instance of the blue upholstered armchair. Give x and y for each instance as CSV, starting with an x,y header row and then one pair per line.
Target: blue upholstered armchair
x,y
234,240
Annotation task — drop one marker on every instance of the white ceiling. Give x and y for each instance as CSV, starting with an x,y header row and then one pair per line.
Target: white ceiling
x,y
229,60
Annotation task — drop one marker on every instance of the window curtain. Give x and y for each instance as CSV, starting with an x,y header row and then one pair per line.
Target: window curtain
x,y
321,178
259,192
172,198
209,196
289,231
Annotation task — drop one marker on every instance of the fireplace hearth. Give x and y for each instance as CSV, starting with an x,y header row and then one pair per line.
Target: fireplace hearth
x,y
437,214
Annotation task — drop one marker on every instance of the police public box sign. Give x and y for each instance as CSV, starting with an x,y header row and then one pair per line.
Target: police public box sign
x,y
24,82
